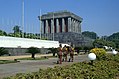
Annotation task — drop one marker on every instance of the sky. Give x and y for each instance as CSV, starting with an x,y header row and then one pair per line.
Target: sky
x,y
100,16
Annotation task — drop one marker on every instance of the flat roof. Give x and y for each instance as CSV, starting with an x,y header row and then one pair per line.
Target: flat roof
x,y
60,14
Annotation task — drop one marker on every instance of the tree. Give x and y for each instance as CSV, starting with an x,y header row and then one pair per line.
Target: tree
x,y
33,51
53,50
3,51
91,35
3,33
99,43
114,38
16,29
110,44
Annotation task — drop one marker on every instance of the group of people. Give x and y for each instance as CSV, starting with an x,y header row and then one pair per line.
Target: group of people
x,y
63,53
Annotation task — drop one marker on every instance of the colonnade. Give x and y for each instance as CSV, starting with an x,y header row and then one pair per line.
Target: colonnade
x,y
60,25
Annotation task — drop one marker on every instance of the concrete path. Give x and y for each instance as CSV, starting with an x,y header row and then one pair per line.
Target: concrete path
x,y
28,66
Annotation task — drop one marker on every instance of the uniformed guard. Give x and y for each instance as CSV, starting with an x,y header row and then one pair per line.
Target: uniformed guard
x,y
65,52
59,54
71,51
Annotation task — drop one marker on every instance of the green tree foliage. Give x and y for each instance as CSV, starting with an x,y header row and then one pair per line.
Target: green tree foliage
x,y
53,51
11,34
110,44
16,29
3,51
3,33
91,35
115,38
99,43
33,51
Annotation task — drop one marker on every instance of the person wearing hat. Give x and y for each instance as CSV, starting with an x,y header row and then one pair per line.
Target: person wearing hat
x,y
59,54
71,51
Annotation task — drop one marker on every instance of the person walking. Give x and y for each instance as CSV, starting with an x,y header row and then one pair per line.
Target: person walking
x,y
59,54
65,52
71,51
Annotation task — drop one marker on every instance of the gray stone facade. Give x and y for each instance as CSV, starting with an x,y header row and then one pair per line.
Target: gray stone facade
x,y
71,38
59,22
63,26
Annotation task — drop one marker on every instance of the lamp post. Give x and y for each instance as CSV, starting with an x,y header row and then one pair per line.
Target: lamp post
x,y
114,52
40,26
22,18
53,26
92,57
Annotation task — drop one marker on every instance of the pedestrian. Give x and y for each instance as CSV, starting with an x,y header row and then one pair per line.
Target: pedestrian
x,y
65,52
59,54
71,51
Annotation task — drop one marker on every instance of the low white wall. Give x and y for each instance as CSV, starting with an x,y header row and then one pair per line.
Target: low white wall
x,y
14,42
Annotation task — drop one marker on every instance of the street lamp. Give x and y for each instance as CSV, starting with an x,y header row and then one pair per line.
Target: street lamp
x,y
92,57
114,52
22,18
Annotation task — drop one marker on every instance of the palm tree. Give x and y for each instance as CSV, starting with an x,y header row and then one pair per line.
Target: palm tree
x,y
33,51
16,29
3,51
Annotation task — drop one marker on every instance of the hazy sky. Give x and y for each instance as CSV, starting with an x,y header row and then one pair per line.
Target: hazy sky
x,y
100,16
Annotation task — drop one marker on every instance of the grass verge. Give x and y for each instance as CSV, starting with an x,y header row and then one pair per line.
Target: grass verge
x,y
7,61
37,58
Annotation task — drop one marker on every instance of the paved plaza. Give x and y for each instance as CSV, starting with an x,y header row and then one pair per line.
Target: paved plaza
x,y
28,66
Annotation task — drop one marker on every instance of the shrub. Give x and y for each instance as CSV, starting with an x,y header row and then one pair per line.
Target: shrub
x,y
3,51
100,52
33,51
117,49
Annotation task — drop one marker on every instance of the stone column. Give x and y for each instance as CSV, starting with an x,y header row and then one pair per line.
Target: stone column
x,y
79,27
42,27
69,24
72,25
76,27
57,26
63,25
52,29
46,28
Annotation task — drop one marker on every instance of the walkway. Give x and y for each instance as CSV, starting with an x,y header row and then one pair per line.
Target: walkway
x,y
27,66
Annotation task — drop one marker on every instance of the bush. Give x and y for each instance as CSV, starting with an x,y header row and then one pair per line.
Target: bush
x,y
3,51
100,52
117,49
33,51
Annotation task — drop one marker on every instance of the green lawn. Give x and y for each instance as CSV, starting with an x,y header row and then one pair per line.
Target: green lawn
x,y
7,61
37,58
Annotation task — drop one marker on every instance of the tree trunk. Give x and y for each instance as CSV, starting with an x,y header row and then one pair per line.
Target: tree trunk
x,y
53,53
33,56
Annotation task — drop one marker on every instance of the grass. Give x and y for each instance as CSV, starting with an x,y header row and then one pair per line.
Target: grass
x,y
29,58
37,58
7,61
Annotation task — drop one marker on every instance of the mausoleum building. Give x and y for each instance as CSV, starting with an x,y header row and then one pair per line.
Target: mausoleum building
x,y
62,26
